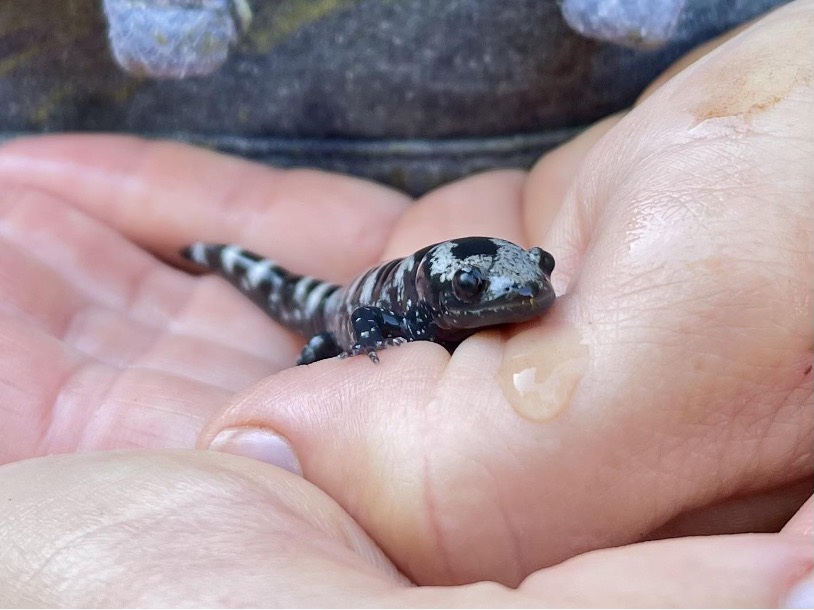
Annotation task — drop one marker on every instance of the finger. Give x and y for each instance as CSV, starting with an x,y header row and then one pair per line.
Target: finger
x,y
486,204
177,528
759,512
693,175
702,132
448,500
55,400
712,572
801,528
139,301
801,525
213,530
115,350
552,177
693,56
67,243
164,196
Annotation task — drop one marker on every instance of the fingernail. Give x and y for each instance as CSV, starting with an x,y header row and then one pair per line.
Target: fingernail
x,y
801,594
257,444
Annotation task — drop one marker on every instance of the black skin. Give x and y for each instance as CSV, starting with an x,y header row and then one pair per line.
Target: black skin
x,y
319,347
374,328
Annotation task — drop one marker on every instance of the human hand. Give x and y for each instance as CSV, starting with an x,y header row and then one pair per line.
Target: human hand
x,y
139,354
669,391
178,529
441,499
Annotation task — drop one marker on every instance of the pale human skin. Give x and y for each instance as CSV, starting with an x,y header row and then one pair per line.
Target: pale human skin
x,y
683,237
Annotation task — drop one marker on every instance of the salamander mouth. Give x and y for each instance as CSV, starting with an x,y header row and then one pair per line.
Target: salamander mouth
x,y
508,311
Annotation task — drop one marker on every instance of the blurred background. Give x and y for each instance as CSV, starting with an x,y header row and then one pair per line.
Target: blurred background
x,y
412,93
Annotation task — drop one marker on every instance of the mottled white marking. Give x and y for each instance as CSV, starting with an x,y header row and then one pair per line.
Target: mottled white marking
x,y
302,287
262,270
404,267
510,265
229,256
366,292
442,262
353,289
315,298
498,284
197,252
402,275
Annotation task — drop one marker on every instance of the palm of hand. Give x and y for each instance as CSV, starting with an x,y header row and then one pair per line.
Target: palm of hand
x,y
139,354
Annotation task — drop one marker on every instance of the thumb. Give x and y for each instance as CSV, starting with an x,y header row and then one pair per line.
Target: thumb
x,y
445,463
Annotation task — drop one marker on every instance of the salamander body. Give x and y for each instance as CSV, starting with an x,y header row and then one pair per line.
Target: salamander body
x,y
442,293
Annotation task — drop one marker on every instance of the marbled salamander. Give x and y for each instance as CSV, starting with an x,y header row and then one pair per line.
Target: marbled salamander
x,y
442,293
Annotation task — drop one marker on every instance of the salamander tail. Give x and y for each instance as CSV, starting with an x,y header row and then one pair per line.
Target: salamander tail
x,y
295,301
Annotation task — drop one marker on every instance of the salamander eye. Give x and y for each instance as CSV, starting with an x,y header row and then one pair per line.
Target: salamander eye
x,y
544,259
468,283
547,263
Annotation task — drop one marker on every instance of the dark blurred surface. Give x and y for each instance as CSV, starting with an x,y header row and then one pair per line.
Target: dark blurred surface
x,y
409,92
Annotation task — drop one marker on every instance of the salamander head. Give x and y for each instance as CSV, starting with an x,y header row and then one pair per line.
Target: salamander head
x,y
475,282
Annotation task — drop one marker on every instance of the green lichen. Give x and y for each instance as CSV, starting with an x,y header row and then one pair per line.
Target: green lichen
x,y
276,21
49,102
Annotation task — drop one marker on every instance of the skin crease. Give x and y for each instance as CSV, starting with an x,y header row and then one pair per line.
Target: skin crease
x,y
692,416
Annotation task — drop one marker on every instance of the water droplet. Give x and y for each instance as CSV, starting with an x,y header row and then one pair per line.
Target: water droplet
x,y
541,370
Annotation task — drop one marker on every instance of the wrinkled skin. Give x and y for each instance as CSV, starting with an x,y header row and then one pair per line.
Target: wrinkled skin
x,y
683,237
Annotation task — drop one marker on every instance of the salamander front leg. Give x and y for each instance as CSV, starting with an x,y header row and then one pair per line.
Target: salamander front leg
x,y
375,329
319,347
